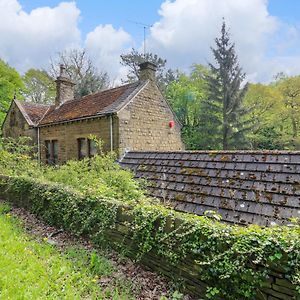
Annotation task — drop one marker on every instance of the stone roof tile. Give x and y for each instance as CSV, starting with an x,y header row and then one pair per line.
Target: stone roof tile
x,y
262,187
98,104
32,112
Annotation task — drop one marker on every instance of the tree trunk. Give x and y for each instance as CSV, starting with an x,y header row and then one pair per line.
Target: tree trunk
x,y
225,130
294,126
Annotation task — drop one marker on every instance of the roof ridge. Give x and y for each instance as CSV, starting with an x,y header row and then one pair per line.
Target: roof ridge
x,y
41,119
32,103
23,111
102,91
93,105
213,152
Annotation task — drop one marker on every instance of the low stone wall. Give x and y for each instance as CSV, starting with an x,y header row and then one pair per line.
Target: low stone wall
x,y
72,211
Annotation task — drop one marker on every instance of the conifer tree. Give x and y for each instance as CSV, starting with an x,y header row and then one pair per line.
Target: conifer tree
x,y
222,114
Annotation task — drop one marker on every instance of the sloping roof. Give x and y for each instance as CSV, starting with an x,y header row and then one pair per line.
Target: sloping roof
x,y
245,187
32,112
101,103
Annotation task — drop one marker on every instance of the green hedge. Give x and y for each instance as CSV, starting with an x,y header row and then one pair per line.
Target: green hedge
x,y
232,262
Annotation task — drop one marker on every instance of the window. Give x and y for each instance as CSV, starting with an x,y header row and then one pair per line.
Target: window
x,y
92,148
82,148
86,148
54,152
51,152
48,152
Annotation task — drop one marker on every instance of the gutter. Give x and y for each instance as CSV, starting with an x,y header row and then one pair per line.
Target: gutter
x,y
111,132
38,140
98,115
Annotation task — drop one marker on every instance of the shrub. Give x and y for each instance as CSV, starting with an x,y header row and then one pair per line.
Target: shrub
x,y
99,176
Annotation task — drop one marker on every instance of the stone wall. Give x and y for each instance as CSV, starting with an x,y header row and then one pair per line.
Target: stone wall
x,y
16,126
67,134
40,199
276,287
144,123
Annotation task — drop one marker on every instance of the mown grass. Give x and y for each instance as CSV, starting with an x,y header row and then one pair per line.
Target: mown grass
x,y
30,269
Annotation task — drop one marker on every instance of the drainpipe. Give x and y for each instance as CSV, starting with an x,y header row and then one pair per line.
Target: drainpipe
x,y
38,140
111,134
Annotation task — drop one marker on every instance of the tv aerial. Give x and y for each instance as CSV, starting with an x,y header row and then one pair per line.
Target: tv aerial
x,y
145,27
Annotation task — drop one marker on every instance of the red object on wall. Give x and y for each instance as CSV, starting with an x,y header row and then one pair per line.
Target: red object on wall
x,y
171,124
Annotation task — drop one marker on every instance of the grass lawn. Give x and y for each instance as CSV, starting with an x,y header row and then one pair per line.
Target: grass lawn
x,y
30,269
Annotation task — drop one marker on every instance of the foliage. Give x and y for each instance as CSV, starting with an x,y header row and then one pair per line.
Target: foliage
x,y
10,86
289,88
234,261
81,70
273,113
39,87
35,270
264,103
133,59
98,176
185,96
222,113
16,158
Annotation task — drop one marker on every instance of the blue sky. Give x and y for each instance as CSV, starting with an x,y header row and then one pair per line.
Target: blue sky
x,y
120,13
266,33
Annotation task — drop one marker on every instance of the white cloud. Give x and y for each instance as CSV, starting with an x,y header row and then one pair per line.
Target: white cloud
x,y
187,29
105,44
29,39
183,35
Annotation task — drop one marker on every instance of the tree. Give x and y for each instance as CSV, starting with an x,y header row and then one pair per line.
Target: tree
x,y
134,58
264,103
39,86
10,86
185,96
290,90
81,70
222,113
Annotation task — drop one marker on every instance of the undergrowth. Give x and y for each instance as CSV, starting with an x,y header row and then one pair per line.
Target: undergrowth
x,y
99,176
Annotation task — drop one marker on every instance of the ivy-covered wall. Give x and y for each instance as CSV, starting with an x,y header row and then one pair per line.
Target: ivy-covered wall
x,y
210,259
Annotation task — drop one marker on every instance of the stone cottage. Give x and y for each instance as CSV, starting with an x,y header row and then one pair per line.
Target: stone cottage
x,y
130,117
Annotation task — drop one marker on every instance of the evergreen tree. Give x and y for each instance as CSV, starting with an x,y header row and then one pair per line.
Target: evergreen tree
x,y
222,114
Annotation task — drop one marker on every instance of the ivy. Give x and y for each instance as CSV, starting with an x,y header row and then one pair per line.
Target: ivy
x,y
233,261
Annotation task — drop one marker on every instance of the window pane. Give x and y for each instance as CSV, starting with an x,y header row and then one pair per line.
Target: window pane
x,y
47,152
92,148
55,151
82,148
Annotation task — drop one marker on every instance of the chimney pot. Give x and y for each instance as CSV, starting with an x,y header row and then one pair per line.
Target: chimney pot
x,y
62,71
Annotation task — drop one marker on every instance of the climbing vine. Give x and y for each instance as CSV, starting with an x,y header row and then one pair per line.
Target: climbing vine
x,y
234,262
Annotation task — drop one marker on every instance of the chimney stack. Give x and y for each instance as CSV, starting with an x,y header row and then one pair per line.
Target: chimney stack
x,y
64,87
147,71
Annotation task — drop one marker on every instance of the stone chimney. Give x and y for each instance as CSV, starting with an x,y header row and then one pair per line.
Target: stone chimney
x,y
64,87
147,71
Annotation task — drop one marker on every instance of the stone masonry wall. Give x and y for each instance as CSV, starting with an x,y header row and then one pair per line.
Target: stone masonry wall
x,y
67,134
16,126
144,123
